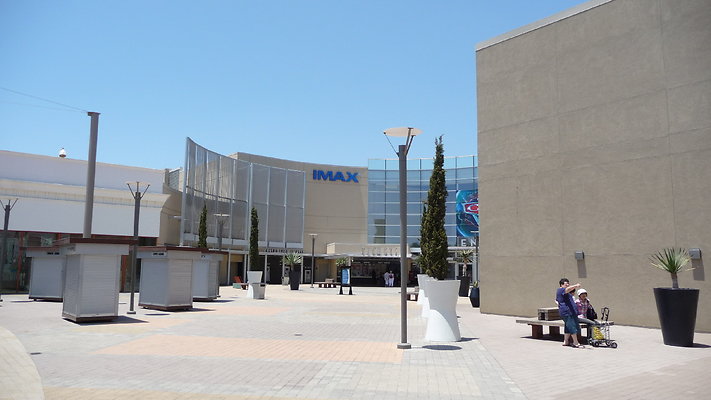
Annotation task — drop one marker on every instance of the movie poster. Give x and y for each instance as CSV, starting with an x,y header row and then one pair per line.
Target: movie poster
x,y
467,211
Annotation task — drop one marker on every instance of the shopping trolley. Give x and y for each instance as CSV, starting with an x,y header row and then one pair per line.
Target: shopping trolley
x,y
601,331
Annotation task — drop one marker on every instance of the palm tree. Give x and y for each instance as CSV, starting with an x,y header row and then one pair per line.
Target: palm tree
x,y
291,259
673,261
466,256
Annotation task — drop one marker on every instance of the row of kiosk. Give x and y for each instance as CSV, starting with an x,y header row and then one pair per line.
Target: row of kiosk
x,y
85,275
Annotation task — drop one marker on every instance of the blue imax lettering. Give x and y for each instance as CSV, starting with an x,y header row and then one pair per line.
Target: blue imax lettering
x,y
332,176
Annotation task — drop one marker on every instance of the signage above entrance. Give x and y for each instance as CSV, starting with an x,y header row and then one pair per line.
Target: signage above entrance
x,y
320,175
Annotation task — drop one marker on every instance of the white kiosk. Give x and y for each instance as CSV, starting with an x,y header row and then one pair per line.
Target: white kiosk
x,y
46,273
92,278
167,276
206,286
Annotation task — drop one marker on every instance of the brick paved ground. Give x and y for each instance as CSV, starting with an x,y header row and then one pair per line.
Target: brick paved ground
x,y
315,344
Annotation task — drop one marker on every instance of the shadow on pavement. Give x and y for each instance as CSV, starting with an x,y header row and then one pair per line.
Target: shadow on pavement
x,y
441,347
122,319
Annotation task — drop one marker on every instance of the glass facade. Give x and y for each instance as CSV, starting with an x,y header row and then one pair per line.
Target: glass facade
x,y
462,217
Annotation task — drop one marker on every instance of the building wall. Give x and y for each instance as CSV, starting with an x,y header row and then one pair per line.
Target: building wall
x,y
335,210
595,136
51,192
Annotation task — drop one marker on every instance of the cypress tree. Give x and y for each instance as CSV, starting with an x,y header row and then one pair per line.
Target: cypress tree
x,y
433,237
202,229
254,242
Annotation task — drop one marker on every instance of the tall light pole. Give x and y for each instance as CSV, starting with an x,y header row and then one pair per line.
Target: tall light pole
x,y
476,258
90,174
137,196
221,218
313,256
402,150
3,254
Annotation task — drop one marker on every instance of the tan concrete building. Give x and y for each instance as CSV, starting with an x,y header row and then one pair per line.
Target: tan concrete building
x,y
334,209
595,136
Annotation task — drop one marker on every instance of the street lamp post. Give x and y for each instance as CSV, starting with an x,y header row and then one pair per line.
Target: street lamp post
x,y
137,196
409,134
313,244
3,254
90,174
220,224
476,257
221,218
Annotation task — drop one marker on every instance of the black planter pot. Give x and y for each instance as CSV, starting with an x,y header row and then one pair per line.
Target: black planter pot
x,y
677,314
474,297
464,286
294,278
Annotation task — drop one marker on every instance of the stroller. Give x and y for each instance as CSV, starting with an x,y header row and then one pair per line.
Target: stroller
x,y
601,331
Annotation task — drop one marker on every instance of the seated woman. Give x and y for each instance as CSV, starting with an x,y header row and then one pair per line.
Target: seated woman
x,y
586,312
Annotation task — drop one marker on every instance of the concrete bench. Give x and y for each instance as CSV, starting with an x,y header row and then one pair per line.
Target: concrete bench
x,y
553,327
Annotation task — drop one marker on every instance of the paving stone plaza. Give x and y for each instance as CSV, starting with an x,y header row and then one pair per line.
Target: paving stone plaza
x,y
316,344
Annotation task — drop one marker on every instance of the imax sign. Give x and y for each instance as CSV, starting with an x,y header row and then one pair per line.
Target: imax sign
x,y
331,176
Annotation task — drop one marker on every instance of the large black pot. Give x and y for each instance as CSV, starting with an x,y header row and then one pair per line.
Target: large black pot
x,y
464,286
474,297
677,314
294,279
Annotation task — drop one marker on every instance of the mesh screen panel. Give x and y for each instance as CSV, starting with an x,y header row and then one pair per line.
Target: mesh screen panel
x,y
230,186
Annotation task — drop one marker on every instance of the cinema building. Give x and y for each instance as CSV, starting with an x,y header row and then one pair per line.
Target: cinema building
x,y
329,211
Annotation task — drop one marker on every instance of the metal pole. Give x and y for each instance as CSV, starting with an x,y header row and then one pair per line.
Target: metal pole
x,y
136,211
476,258
402,158
3,254
220,223
90,174
313,270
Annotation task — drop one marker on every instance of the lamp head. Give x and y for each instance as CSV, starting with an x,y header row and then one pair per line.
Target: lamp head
x,y
402,132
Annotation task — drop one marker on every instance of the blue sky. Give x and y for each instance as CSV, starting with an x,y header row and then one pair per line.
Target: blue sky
x,y
312,80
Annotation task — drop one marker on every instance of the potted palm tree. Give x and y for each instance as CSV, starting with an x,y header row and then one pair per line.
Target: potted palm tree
x,y
465,257
293,259
676,306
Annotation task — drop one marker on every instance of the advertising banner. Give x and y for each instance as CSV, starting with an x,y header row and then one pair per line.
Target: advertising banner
x,y
467,211
346,276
